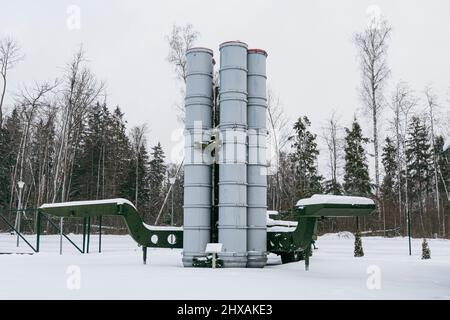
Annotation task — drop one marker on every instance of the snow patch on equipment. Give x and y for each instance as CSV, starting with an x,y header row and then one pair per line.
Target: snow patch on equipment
x,y
163,228
117,201
332,199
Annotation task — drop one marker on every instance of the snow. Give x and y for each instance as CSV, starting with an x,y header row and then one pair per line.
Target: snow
x,y
117,201
162,228
332,199
283,223
118,272
280,229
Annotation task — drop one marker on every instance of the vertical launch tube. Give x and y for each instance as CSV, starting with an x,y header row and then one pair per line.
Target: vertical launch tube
x,y
257,163
197,168
233,154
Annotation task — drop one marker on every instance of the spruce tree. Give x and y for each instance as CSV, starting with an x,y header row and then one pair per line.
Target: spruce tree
x,y
359,252
388,187
443,163
426,253
419,164
143,183
157,172
10,136
356,177
304,159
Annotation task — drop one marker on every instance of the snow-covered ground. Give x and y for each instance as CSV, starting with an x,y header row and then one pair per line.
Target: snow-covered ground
x,y
385,272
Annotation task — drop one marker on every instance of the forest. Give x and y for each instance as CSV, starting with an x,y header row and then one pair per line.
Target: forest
x,y
66,142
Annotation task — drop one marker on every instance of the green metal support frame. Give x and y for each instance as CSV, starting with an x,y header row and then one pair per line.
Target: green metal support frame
x,y
296,245
146,236
35,249
62,233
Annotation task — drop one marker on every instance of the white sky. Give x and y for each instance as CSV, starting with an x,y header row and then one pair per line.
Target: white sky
x,y
311,64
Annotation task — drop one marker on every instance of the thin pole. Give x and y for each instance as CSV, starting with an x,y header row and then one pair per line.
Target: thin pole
x,y
171,216
100,234
84,235
409,230
88,234
38,230
60,234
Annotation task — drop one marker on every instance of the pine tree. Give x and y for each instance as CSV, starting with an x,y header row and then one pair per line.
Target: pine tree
x,y
426,253
157,172
304,159
359,252
356,177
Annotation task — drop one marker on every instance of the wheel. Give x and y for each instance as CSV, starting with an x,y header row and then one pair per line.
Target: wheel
x,y
288,257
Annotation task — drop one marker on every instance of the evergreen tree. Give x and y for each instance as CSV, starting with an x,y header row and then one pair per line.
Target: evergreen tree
x,y
143,183
388,187
419,160
333,187
304,159
426,254
157,172
10,136
359,252
443,163
120,155
356,177
5,167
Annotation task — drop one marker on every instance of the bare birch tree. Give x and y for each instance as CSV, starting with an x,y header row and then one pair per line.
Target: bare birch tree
x,y
180,41
10,55
81,90
432,106
407,106
372,45
402,101
333,140
30,102
278,138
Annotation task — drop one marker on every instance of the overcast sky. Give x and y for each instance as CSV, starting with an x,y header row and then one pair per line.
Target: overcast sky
x,y
311,65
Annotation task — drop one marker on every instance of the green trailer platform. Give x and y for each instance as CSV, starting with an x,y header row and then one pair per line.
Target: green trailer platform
x,y
291,240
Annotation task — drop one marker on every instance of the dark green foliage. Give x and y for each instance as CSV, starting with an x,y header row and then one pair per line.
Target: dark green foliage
x,y
443,162
304,159
333,187
388,187
426,253
104,159
157,173
356,178
138,176
10,136
418,159
359,252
